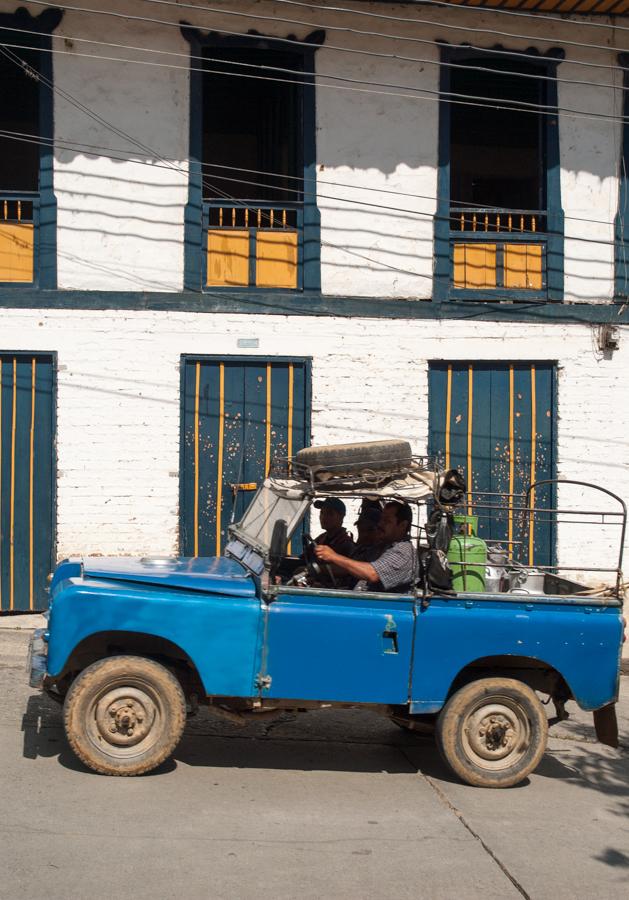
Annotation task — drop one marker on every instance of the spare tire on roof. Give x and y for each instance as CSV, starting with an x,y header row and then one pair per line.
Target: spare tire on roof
x,y
340,460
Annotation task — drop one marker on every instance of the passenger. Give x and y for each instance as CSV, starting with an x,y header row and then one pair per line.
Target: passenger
x,y
331,518
369,544
396,568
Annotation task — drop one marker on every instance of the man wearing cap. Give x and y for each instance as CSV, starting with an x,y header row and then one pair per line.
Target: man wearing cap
x,y
332,513
396,568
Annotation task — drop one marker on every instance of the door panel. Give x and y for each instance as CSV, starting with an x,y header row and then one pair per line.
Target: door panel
x,y
237,414
354,648
26,480
496,423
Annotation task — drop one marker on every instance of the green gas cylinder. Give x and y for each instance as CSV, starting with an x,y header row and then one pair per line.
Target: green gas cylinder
x,y
472,551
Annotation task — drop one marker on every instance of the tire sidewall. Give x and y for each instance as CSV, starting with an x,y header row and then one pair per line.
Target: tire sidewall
x,y
93,681
453,719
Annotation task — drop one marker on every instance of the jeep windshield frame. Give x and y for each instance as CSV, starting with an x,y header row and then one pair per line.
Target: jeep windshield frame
x,y
271,503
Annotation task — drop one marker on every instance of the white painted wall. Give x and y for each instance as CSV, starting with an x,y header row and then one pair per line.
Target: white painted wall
x,y
121,223
121,228
119,404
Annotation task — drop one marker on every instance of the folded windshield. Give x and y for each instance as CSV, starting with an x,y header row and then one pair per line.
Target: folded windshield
x,y
268,507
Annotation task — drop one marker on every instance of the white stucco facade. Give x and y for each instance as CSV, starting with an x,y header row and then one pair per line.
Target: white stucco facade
x,y
120,227
120,223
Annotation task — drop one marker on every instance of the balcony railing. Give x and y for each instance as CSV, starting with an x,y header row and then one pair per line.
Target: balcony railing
x,y
253,244
18,214
498,248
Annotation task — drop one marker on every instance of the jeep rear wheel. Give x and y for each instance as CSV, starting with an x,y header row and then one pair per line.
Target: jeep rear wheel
x,y
493,732
124,715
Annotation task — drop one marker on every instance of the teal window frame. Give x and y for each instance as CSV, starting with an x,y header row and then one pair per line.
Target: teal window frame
x,y
553,242
621,229
44,202
197,210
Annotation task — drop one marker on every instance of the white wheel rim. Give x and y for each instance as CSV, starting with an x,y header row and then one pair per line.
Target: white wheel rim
x,y
496,733
125,718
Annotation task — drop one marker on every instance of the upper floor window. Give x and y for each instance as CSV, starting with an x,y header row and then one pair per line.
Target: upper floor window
x,y
500,175
252,168
19,165
28,209
252,220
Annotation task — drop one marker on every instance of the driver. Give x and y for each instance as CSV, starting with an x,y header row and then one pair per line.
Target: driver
x,y
396,568
332,513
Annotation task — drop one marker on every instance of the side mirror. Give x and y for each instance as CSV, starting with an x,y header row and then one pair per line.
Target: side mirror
x,y
279,541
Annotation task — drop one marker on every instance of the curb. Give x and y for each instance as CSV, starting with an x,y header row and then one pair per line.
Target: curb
x,y
22,622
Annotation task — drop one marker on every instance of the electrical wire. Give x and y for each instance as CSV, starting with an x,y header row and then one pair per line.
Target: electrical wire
x,y
142,146
379,34
418,94
560,18
296,42
425,61
240,202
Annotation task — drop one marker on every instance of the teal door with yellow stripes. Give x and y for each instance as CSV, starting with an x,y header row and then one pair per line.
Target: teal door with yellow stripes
x,y
496,422
26,480
237,414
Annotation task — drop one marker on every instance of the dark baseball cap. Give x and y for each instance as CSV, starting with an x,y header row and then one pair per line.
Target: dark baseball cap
x,y
331,503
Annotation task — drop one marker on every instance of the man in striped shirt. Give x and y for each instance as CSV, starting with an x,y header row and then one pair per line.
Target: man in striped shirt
x,y
396,568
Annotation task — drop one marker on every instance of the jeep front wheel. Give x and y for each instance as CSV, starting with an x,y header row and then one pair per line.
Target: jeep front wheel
x,y
493,732
124,715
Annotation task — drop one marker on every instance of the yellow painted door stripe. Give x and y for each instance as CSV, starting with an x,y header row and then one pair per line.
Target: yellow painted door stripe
x,y
470,402
196,458
289,438
12,502
31,486
267,455
448,415
221,440
533,452
0,482
511,453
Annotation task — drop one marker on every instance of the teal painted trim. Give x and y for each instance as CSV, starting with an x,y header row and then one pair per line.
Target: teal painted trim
x,y
309,277
194,258
47,230
311,235
621,222
442,288
441,266
310,303
45,209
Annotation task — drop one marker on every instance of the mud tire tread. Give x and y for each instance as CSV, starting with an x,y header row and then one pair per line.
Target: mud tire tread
x,y
90,678
450,724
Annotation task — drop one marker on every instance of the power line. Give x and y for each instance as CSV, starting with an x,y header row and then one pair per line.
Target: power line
x,y
426,61
74,146
494,296
560,18
380,34
418,95
295,42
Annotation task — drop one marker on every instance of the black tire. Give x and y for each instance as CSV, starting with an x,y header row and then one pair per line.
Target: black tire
x,y
493,732
348,459
124,715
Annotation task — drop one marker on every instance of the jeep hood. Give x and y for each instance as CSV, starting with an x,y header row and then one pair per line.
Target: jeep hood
x,y
217,575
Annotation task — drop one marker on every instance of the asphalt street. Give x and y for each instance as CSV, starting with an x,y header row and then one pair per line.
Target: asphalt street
x,y
329,804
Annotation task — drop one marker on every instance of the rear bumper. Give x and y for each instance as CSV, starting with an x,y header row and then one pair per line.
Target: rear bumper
x,y
37,659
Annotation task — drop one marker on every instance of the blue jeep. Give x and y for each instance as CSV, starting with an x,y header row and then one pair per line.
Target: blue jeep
x,y
134,645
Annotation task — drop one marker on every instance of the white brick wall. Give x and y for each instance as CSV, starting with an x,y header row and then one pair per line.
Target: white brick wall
x,y
118,404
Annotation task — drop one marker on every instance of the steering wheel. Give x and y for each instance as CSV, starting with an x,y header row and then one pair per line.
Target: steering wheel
x,y
314,567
